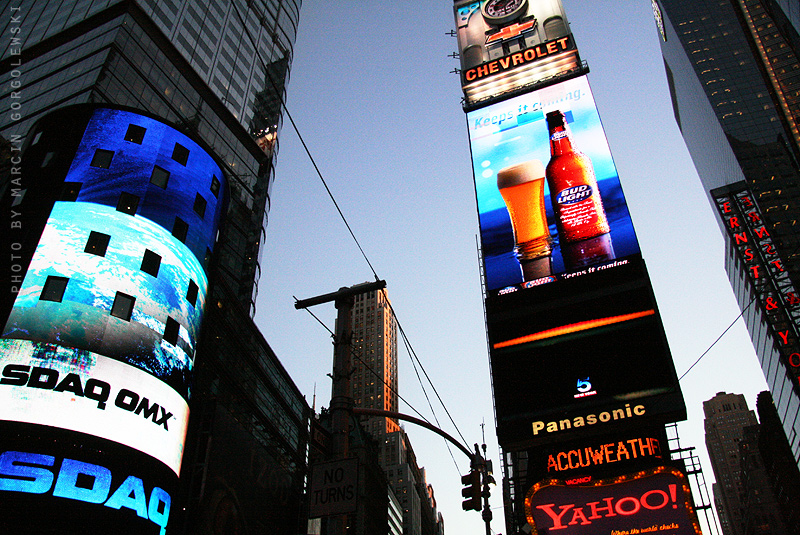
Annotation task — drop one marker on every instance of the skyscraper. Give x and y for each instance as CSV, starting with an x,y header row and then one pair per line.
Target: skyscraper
x,y
753,485
732,69
219,69
375,359
209,79
726,416
375,386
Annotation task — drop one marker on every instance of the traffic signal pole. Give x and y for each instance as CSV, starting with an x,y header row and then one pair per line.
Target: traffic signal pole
x,y
342,407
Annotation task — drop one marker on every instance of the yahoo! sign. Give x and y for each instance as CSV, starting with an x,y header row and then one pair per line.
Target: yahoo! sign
x,y
652,500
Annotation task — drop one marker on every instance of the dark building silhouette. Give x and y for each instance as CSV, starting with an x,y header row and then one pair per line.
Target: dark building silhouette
x,y
734,78
756,476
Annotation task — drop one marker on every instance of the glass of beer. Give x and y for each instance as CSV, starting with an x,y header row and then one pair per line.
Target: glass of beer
x,y
522,188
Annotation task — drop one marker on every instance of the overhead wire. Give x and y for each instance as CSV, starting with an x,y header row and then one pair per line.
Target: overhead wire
x,y
311,158
412,354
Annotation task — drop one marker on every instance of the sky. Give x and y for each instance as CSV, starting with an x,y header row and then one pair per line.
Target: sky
x,y
375,99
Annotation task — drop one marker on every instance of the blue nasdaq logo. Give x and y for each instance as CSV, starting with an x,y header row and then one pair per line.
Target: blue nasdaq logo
x,y
33,473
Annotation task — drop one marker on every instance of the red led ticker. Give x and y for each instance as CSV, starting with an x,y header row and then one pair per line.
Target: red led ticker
x,y
573,327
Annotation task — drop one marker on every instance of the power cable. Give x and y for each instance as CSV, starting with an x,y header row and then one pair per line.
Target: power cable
x,y
718,339
288,114
355,355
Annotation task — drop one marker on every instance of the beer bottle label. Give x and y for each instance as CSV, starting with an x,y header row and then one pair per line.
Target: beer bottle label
x,y
574,194
579,213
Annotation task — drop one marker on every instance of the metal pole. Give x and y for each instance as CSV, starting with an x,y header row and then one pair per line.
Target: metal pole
x,y
341,406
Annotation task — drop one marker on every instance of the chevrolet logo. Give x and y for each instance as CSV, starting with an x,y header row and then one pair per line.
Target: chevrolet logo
x,y
512,31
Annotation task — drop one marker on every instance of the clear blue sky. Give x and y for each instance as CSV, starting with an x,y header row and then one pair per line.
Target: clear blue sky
x,y
373,96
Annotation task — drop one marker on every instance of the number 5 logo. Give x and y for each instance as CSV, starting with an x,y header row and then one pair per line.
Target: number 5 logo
x,y
584,385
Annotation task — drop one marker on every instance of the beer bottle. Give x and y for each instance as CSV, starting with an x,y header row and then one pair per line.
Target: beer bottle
x,y
573,187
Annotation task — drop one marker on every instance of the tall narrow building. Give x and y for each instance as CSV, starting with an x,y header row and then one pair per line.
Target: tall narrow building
x,y
375,386
375,360
734,78
726,417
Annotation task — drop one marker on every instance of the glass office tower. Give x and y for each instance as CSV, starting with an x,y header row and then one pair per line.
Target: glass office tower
x,y
215,71
734,78
218,68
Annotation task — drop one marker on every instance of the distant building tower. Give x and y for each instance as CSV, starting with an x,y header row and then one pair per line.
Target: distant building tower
x,y
731,69
783,474
375,386
375,359
726,415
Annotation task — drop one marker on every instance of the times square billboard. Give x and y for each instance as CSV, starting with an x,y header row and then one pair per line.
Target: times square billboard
x,y
97,354
576,341
506,45
655,500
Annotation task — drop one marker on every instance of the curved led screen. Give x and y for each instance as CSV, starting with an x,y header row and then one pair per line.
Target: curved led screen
x,y
96,357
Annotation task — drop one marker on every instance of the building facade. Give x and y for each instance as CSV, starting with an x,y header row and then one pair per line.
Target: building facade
x,y
732,69
214,73
756,478
726,417
219,69
375,386
375,359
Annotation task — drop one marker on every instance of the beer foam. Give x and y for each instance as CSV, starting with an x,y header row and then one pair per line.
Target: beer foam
x,y
520,174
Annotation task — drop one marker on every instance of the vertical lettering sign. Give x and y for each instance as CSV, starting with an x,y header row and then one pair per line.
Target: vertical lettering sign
x,y
507,45
777,298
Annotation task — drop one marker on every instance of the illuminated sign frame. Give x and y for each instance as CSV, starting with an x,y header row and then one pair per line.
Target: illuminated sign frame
x,y
564,305
501,54
599,506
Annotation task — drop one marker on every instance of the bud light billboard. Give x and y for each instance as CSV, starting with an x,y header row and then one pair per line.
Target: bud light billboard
x,y
576,341
548,211
97,353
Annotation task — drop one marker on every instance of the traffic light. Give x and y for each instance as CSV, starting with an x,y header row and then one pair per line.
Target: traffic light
x,y
471,491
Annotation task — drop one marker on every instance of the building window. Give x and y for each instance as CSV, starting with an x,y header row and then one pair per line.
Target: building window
x,y
159,177
102,158
123,306
54,288
135,134
70,191
97,243
180,154
128,203
200,205
191,293
215,186
151,262
180,229
171,330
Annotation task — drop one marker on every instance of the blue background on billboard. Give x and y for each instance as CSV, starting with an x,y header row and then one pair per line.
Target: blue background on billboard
x,y
132,166
515,131
82,318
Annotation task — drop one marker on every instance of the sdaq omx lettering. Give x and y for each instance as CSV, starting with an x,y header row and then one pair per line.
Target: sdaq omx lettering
x,y
589,419
94,389
35,473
